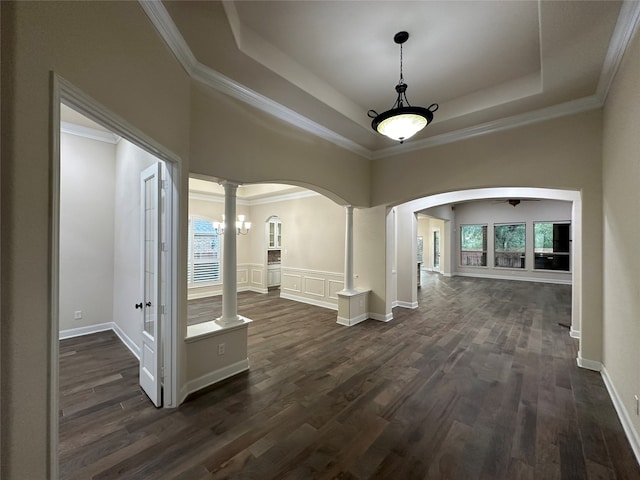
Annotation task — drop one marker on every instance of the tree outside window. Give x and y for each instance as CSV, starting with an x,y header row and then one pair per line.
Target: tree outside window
x,y
473,245
509,244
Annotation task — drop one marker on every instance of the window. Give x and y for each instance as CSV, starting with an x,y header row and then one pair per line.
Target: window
x,y
510,241
473,245
203,267
551,246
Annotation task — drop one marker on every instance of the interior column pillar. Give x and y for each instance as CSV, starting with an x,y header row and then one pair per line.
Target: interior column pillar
x,y
348,250
229,258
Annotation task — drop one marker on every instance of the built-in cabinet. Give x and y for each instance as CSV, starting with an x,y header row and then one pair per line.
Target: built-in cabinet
x,y
274,242
275,233
273,275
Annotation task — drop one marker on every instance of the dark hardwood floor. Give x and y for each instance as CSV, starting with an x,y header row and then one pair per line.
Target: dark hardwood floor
x,y
479,382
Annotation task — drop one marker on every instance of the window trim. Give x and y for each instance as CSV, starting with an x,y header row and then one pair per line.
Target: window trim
x,y
486,242
568,254
523,253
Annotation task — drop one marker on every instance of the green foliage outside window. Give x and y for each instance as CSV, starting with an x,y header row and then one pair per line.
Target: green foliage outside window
x,y
474,237
510,238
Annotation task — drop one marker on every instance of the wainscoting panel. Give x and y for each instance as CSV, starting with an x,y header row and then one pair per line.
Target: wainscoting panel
x,y
334,287
312,286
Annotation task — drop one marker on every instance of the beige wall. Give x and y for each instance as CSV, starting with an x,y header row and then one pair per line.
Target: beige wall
x,y
87,182
621,171
276,152
143,85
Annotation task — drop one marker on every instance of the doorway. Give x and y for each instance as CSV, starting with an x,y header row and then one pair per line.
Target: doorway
x,y
436,250
73,314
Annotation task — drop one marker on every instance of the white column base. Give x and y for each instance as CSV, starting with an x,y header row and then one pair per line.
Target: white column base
x,y
353,307
232,321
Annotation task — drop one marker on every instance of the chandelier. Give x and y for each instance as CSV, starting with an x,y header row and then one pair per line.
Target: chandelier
x,y
403,121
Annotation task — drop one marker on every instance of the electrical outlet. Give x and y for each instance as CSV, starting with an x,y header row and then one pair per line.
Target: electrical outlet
x,y
77,315
221,349
637,404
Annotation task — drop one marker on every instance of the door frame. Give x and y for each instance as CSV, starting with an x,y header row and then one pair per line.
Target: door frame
x,y
63,91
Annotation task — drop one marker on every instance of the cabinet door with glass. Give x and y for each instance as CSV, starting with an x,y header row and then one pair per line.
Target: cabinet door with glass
x,y
275,234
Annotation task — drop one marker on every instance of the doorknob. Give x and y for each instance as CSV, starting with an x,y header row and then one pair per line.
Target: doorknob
x,y
148,304
139,305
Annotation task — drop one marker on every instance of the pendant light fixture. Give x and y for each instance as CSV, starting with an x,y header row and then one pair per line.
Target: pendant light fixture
x,y
403,120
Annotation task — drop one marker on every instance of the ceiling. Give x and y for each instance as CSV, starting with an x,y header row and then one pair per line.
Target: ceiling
x,y
488,64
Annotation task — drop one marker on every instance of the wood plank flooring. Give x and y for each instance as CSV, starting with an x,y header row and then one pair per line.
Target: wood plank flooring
x,y
479,382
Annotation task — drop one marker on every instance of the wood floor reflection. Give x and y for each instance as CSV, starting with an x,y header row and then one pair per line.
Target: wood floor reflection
x,y
479,382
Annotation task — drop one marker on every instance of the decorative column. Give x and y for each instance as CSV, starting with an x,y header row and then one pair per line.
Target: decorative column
x,y
348,251
229,259
353,305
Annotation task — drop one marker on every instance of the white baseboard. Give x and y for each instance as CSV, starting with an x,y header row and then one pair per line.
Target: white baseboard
x,y
102,327
253,289
130,344
559,281
349,322
394,304
380,317
574,333
411,305
216,376
310,301
623,415
77,332
589,364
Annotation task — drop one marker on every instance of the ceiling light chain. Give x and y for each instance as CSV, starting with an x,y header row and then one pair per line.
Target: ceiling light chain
x,y
402,122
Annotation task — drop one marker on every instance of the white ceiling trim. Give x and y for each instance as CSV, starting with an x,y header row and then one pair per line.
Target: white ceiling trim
x,y
87,132
568,108
626,26
215,198
176,42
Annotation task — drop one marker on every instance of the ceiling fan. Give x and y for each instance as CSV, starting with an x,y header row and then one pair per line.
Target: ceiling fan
x,y
514,202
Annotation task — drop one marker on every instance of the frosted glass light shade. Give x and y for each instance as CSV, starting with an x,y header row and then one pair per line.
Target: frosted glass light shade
x,y
403,126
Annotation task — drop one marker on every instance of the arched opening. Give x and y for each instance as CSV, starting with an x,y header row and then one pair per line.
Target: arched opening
x,y
404,219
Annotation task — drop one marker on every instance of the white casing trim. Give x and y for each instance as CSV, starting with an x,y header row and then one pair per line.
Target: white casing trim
x,y
349,322
574,333
216,376
557,281
623,414
102,327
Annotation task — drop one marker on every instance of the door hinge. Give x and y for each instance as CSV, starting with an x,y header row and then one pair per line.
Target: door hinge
x,y
162,309
163,246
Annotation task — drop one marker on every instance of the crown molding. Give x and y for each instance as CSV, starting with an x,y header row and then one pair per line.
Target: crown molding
x,y
224,84
87,132
215,198
170,34
563,109
625,28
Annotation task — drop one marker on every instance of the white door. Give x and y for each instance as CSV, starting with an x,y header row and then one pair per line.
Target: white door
x,y
150,361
